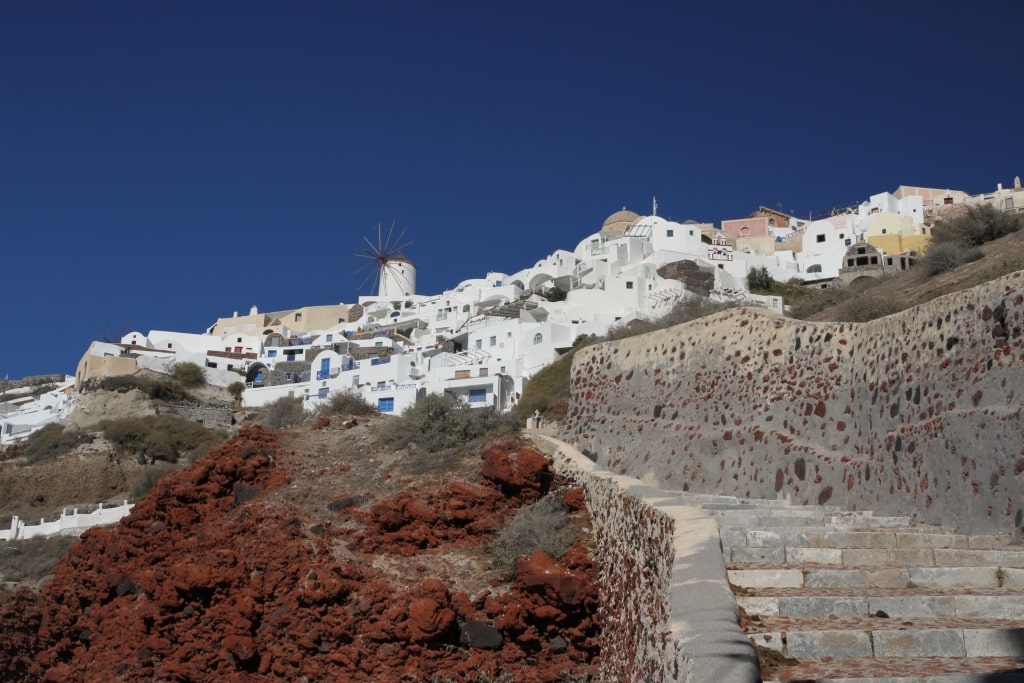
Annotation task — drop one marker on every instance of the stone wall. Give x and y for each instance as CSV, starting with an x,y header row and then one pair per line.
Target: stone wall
x,y
918,413
667,612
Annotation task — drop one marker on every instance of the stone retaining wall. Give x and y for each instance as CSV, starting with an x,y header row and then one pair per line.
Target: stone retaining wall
x,y
667,611
919,413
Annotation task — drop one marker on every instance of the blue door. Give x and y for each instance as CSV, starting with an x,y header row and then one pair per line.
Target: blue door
x,y
325,368
386,405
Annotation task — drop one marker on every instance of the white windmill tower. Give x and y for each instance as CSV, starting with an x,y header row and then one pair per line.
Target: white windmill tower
x,y
393,275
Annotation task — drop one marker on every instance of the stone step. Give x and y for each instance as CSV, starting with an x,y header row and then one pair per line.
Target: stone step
x,y
788,576
757,520
892,604
852,637
905,670
859,557
949,543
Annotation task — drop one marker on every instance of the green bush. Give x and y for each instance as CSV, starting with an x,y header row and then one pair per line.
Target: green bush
x,y
435,423
867,307
286,411
759,281
158,437
348,402
188,375
51,441
545,525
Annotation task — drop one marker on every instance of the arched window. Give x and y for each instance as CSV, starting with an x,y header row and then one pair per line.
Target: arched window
x,y
538,338
465,308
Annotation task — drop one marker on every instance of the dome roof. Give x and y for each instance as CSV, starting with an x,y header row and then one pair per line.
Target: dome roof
x,y
617,224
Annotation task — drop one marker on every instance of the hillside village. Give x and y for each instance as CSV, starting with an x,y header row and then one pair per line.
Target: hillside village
x,y
482,340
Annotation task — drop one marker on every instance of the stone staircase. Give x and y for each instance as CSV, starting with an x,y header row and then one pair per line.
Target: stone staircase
x,y
832,595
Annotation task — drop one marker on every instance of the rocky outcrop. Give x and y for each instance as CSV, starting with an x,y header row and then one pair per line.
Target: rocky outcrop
x,y
917,413
212,577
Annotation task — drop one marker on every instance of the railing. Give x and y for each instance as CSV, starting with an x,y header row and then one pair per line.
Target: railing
x,y
380,361
299,341
352,365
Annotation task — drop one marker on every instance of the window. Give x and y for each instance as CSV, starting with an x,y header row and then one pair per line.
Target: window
x,y
287,377
322,392
386,405
330,337
477,395
479,343
465,309
820,238
494,341
670,233
484,372
538,338
298,317
272,353
1008,204
629,284
211,364
239,340
883,231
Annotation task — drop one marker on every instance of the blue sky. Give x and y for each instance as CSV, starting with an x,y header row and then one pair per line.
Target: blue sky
x,y
164,164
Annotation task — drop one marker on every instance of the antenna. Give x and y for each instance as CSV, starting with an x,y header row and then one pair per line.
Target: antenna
x,y
654,209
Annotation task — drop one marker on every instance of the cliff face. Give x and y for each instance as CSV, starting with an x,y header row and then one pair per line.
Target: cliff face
x,y
918,413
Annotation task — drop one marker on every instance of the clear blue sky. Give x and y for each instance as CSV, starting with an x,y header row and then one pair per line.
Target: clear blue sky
x,y
164,164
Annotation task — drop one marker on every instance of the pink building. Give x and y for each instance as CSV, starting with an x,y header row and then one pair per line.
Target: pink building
x,y
755,226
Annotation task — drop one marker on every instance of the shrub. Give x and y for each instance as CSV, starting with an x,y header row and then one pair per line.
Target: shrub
x,y
435,423
545,525
943,256
159,390
348,402
32,559
150,476
867,307
286,411
188,375
977,225
759,281
51,441
236,389
158,437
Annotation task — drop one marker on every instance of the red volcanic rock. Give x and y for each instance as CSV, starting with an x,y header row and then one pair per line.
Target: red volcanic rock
x,y
541,574
526,473
210,579
575,499
20,614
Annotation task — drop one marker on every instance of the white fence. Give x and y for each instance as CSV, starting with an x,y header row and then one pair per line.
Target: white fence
x,y
68,524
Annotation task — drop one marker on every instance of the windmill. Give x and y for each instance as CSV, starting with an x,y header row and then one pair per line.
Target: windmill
x,y
386,269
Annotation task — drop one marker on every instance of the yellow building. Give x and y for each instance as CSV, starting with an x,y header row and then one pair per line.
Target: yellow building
x,y
895,234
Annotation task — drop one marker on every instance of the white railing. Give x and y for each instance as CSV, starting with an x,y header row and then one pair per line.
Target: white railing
x,y
67,524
